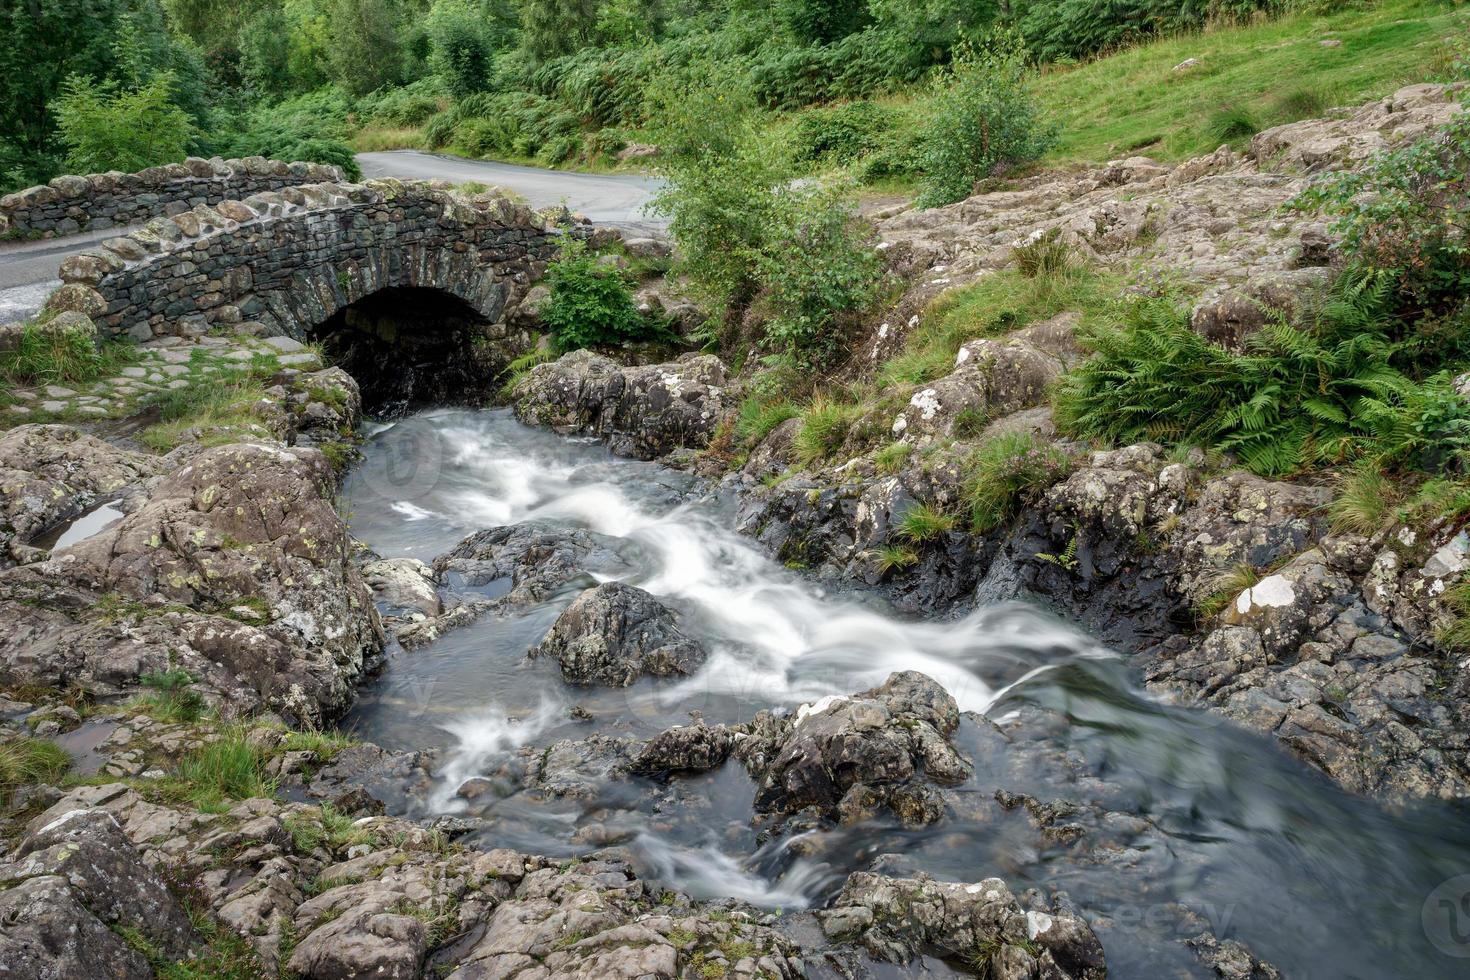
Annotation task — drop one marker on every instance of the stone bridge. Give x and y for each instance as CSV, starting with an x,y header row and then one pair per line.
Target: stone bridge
x,y
393,274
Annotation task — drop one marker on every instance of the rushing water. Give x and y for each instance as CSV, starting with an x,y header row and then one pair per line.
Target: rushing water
x,y
1258,846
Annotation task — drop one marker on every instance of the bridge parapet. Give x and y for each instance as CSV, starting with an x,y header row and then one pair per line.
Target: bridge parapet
x,y
282,262
71,204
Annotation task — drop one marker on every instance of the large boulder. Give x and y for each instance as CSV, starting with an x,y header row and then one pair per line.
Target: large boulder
x,y
644,411
991,378
70,887
899,919
614,634
236,569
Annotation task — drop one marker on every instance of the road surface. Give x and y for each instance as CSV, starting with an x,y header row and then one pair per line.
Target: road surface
x,y
28,269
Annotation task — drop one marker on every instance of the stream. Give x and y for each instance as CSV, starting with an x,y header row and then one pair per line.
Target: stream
x,y
1259,846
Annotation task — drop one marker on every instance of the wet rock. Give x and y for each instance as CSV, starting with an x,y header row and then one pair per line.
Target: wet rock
x,y
642,411
526,562
897,919
51,473
851,756
614,634
685,748
402,587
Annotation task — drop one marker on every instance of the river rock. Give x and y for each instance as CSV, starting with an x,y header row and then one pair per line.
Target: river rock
x,y
527,562
643,411
897,919
849,756
614,634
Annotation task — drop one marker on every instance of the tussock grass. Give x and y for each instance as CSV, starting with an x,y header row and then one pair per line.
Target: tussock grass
x,y
824,428
229,768
1365,501
61,357
26,760
922,523
1004,472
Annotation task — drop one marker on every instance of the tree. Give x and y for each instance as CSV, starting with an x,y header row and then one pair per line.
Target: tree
x,y
366,54
265,53
106,127
552,28
459,47
823,21
43,42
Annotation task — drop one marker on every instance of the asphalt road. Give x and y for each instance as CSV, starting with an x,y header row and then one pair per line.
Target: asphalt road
x,y
28,269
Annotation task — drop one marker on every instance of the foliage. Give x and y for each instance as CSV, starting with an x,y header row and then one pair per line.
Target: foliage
x,y
591,303
365,53
25,761
45,42
46,355
841,134
983,117
310,127
460,49
824,428
1071,29
169,697
229,768
1044,255
106,127
819,261
1407,214
758,416
1003,472
1321,393
1365,501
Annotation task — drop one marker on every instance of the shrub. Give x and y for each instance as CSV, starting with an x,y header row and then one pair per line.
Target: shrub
x,y
841,134
818,262
983,117
1406,213
105,127
591,303
1004,472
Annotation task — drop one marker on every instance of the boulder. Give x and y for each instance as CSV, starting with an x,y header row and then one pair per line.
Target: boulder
x,y
642,411
849,757
51,473
614,634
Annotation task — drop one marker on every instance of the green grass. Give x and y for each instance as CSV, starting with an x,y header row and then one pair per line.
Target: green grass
x,y
922,523
326,828
892,457
169,698
1365,501
1134,102
760,414
25,761
221,410
229,768
824,427
63,358
1004,472
1224,588
996,304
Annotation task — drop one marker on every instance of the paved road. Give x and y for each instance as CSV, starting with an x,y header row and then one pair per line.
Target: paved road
x,y
28,269
605,198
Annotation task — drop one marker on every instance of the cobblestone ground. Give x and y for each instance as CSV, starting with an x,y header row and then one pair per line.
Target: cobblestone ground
x,y
158,367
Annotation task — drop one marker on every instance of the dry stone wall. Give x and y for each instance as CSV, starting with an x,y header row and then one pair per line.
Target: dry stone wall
x,y
71,204
282,262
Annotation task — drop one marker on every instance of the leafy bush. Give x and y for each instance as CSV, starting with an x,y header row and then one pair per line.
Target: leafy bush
x,y
591,304
983,117
412,105
1406,213
819,262
841,134
106,127
310,127
1297,397
459,49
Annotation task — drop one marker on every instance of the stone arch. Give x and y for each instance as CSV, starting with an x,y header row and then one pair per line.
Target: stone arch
x,y
284,262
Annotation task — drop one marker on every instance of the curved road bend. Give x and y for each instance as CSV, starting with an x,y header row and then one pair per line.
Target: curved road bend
x,y
28,269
